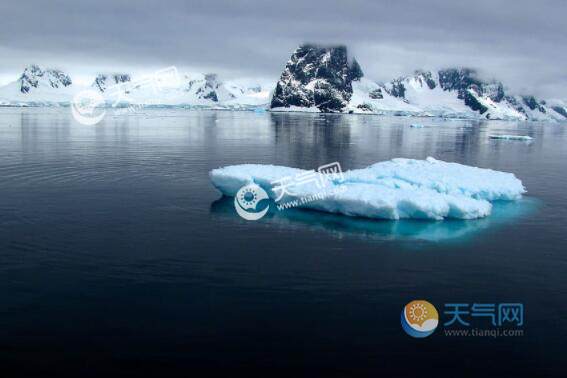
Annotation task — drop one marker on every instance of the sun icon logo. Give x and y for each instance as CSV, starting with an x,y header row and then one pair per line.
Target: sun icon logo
x,y
417,312
419,318
246,200
87,107
248,197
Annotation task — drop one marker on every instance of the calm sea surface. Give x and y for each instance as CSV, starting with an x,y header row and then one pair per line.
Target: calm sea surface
x,y
118,256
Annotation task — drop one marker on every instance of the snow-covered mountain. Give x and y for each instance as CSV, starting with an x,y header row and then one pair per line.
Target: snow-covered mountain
x,y
560,106
453,92
321,79
200,90
37,86
34,77
208,87
103,81
50,87
316,78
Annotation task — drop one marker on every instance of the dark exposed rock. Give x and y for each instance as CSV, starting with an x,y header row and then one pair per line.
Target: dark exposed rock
x,y
319,77
494,91
427,77
30,78
512,101
355,72
365,107
103,81
561,110
58,78
457,78
464,80
33,75
121,78
398,89
532,103
376,94
472,102
208,89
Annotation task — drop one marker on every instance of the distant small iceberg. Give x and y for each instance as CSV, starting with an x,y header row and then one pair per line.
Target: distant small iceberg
x,y
417,126
510,137
396,189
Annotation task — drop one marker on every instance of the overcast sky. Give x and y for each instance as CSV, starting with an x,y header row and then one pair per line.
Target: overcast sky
x,y
522,43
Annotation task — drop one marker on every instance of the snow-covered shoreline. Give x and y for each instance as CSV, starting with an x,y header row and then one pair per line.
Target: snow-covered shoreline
x,y
251,108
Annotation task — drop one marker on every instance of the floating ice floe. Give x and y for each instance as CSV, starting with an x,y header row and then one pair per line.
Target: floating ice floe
x,y
395,189
510,137
417,126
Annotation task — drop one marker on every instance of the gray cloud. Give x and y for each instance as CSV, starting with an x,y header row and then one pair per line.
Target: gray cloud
x,y
519,42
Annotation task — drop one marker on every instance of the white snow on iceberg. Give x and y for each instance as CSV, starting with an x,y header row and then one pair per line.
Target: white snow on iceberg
x,y
395,189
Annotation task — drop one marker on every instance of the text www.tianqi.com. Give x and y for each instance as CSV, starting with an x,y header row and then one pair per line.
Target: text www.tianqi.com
x,y
302,201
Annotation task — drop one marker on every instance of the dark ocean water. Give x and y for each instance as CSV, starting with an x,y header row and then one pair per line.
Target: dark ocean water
x,y
118,258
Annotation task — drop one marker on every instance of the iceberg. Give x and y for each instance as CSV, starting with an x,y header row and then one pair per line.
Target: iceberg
x,y
395,189
416,126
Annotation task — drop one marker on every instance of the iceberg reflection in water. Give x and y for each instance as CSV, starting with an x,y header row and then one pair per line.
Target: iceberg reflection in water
x,y
503,212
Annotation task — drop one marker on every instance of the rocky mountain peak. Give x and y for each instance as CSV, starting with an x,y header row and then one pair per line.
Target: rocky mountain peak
x,y
30,78
103,81
471,88
458,79
397,87
532,103
463,79
208,87
34,75
317,76
425,78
